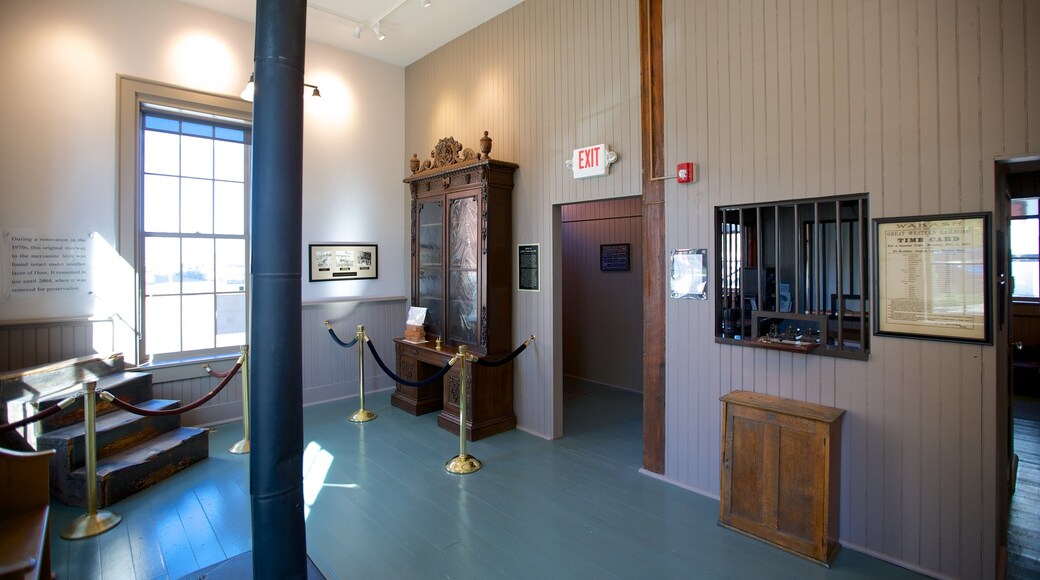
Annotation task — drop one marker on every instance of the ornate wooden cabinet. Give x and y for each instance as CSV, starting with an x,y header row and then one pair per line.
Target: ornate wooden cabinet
x,y
461,273
781,461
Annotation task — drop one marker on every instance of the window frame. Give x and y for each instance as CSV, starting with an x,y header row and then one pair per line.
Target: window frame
x,y
1028,257
134,94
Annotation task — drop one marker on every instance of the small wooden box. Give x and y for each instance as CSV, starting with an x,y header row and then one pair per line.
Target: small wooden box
x,y
414,333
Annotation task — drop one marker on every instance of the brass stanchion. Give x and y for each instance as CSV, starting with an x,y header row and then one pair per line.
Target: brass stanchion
x,y
363,414
243,445
462,463
95,521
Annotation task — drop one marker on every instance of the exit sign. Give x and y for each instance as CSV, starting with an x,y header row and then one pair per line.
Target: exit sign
x,y
591,161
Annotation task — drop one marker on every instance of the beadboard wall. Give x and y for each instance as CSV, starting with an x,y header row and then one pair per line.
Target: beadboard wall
x,y
330,371
910,101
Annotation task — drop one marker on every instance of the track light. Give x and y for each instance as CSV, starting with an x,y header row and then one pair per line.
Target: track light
x,y
357,31
379,35
425,3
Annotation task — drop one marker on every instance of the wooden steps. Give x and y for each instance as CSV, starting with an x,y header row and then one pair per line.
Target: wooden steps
x,y
133,451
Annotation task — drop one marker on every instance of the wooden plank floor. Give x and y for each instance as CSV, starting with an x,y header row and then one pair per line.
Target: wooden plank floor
x,y
1024,522
382,506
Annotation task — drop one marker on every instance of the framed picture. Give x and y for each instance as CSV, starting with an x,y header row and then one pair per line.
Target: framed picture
x,y
343,262
931,277
689,274
615,257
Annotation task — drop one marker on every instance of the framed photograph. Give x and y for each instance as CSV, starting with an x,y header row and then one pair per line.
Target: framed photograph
x,y
615,257
527,267
344,262
931,277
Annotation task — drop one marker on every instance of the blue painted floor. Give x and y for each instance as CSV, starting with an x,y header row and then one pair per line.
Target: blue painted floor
x,y
382,506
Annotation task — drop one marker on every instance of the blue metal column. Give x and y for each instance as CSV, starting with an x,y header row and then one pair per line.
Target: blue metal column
x,y
276,456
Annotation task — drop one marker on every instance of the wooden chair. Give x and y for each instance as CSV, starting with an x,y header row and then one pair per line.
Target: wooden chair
x,y
24,507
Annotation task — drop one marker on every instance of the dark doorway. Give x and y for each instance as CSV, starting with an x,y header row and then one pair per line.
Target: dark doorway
x,y
602,314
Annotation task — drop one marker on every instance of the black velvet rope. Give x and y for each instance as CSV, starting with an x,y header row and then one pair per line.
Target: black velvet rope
x,y
495,363
436,377
332,333
37,417
182,409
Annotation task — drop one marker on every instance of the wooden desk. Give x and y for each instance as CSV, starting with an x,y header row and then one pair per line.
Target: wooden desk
x,y
490,399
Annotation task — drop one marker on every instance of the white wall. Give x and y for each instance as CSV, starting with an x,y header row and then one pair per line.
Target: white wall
x,y
58,115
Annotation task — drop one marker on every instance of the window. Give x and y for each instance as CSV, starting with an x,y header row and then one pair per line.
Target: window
x,y
1025,249
794,275
184,184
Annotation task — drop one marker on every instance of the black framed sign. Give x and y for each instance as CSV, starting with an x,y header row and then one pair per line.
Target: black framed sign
x,y
614,257
527,267
343,262
931,277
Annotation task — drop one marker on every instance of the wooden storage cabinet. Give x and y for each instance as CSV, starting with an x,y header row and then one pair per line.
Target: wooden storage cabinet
x,y
461,252
781,461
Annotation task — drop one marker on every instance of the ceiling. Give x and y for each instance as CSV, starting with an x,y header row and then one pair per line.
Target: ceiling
x,y
411,31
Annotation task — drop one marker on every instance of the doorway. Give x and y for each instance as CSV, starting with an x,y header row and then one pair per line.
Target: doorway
x,y
1018,354
601,280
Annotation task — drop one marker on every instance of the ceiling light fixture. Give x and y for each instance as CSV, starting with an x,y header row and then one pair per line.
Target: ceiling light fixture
x,y
379,35
425,3
357,30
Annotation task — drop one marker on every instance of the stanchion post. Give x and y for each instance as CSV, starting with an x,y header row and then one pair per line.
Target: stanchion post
x,y
242,446
95,521
363,415
463,463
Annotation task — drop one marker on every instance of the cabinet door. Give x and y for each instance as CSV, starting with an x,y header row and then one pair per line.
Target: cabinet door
x,y
430,261
463,268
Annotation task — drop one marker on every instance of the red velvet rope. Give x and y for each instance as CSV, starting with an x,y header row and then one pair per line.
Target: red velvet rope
x,y
37,417
217,374
182,409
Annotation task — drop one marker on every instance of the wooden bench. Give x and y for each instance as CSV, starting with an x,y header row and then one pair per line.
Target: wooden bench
x,y
24,506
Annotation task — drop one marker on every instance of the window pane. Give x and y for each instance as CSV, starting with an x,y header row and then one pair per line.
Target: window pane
x,y
162,266
161,153
231,265
1026,274
198,322
1025,237
198,129
197,157
162,123
1026,206
197,265
231,319
230,134
229,208
161,207
162,324
229,161
196,206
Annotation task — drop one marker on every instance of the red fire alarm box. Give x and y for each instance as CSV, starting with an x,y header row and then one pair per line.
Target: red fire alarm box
x,y
686,172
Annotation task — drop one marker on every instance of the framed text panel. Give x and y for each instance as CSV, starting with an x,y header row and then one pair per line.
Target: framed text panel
x,y
931,277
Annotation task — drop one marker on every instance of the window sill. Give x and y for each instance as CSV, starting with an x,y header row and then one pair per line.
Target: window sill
x,y
184,369
803,348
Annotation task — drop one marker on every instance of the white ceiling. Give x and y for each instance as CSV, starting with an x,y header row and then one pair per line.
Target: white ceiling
x,y
411,31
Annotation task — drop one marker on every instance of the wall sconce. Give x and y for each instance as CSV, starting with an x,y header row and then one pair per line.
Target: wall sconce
x,y
247,92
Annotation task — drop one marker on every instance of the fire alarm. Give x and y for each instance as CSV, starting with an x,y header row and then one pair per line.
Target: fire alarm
x,y
686,172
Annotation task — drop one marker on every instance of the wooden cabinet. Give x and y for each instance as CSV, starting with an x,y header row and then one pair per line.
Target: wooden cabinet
x,y
461,249
781,461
